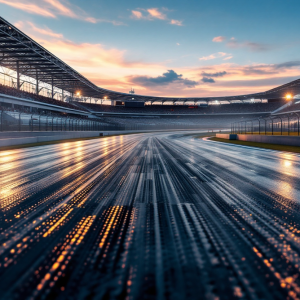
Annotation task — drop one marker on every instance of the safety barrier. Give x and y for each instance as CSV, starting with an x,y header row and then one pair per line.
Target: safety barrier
x,y
283,124
19,121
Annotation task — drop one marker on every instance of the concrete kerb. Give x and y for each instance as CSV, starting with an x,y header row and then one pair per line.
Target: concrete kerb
x,y
227,136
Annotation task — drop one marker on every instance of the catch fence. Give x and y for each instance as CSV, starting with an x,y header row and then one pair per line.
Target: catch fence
x,y
284,124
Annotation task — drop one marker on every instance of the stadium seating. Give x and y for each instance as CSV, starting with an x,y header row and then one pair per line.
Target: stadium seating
x,y
184,109
26,110
21,94
293,107
175,122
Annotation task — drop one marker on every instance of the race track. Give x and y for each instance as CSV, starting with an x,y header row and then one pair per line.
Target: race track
x,y
149,216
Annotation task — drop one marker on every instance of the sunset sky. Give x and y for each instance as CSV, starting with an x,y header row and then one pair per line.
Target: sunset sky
x,y
169,48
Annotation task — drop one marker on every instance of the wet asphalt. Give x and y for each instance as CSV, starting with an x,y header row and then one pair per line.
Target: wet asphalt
x,y
149,216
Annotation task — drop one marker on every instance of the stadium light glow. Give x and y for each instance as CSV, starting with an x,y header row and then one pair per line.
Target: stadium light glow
x,y
288,96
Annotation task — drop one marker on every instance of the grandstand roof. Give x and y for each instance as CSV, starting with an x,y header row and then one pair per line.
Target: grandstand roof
x,y
37,62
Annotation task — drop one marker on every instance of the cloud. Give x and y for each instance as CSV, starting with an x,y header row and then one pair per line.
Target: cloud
x,y
260,85
136,14
207,80
53,8
110,69
238,80
95,21
152,14
219,39
155,13
167,78
176,22
286,65
148,14
258,70
235,44
214,56
254,47
82,56
30,8
264,69
62,9
228,57
207,77
42,31
216,74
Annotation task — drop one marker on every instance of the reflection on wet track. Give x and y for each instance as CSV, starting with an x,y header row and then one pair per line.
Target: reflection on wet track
x,y
149,216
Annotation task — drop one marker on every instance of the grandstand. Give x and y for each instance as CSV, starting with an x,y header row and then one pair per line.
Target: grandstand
x,y
294,106
25,95
39,70
235,108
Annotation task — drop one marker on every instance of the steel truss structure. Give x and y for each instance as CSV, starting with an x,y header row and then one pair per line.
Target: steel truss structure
x,y
26,57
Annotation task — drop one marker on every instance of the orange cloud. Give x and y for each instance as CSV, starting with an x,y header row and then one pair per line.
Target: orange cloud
x,y
53,8
30,8
234,43
86,57
239,79
216,55
43,32
62,9
151,14
219,39
136,14
109,68
176,22
155,13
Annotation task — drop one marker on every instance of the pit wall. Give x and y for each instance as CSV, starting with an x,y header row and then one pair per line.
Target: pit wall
x,y
32,137
268,139
38,137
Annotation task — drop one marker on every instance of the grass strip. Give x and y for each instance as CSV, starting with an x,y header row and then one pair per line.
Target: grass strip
x,y
286,148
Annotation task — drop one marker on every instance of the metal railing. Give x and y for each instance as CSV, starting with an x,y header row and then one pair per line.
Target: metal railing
x,y
19,121
283,124
24,121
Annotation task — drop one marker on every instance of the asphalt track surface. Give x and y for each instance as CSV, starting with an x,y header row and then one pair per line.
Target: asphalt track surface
x,y
149,216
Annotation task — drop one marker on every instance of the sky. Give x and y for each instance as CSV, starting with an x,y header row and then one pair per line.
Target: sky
x,y
169,48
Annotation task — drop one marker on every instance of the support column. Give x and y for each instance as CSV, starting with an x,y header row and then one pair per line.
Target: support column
x,y
18,75
52,87
37,83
